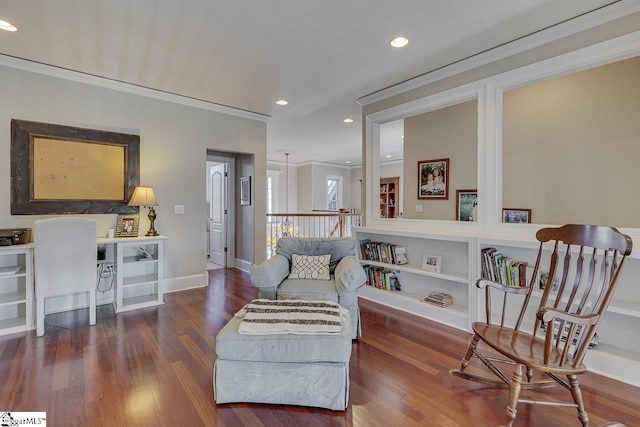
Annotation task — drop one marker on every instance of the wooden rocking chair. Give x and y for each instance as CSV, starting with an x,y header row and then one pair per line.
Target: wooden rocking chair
x,y
579,286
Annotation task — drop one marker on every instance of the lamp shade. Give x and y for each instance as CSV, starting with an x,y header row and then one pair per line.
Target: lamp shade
x,y
143,196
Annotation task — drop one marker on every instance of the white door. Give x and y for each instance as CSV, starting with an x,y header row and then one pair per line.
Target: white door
x,y
217,221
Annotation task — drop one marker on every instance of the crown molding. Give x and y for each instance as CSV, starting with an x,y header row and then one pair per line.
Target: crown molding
x,y
279,163
330,165
103,82
312,163
567,28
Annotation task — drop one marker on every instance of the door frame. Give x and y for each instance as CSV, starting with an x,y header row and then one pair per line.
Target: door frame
x,y
230,222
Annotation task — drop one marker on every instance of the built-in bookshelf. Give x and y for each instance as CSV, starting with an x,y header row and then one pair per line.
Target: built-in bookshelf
x,y
416,284
615,355
16,289
389,197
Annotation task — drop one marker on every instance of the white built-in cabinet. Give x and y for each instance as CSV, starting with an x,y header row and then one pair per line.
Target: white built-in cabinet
x,y
416,283
16,288
617,354
139,274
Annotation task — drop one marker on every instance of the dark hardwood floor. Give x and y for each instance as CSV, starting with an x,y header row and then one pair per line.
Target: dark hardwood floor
x,y
154,367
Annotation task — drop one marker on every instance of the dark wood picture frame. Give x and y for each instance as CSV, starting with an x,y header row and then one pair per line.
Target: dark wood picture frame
x,y
433,179
466,200
516,216
24,137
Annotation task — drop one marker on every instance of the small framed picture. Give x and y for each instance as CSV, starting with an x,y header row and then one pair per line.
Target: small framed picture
x,y
127,225
467,205
432,263
433,179
245,190
514,216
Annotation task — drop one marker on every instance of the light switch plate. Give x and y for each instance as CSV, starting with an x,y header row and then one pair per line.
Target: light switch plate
x,y
419,208
178,209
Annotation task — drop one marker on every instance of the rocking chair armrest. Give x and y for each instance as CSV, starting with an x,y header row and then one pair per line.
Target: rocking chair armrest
x,y
483,283
547,314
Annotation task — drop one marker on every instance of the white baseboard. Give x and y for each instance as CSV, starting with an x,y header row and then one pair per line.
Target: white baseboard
x,y
62,303
183,283
243,265
81,300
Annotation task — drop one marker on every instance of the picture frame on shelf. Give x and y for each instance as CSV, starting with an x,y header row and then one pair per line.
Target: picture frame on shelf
x,y
127,225
433,179
245,191
432,263
467,205
516,216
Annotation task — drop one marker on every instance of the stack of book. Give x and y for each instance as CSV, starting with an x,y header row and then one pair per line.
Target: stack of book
x,y
438,298
502,269
382,252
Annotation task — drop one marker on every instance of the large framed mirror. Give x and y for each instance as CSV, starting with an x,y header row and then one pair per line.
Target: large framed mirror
x,y
570,147
548,143
408,146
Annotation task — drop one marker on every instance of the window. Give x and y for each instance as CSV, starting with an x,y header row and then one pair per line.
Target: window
x,y
334,193
269,194
272,191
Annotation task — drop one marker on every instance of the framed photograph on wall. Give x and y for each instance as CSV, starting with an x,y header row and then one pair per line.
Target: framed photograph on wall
x,y
516,215
432,263
127,225
245,190
467,205
433,179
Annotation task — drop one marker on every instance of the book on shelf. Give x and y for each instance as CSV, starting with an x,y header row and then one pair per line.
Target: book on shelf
x,y
502,269
566,326
439,298
382,278
401,255
387,253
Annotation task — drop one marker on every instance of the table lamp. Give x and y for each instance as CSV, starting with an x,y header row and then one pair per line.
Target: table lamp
x,y
144,196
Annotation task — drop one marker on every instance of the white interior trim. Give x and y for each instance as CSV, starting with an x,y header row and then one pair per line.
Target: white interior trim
x,y
489,93
589,20
62,73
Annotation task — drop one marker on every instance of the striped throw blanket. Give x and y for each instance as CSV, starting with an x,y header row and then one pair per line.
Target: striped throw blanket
x,y
265,317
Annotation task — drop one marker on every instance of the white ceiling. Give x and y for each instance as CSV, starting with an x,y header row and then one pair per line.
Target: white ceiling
x,y
320,55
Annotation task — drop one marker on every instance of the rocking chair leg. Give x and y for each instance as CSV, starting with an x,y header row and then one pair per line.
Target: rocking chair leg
x,y
529,374
470,349
577,398
514,394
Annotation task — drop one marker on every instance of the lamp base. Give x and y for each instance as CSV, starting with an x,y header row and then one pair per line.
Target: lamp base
x,y
152,218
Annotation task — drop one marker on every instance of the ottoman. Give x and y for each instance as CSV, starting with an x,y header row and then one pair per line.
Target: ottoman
x,y
289,369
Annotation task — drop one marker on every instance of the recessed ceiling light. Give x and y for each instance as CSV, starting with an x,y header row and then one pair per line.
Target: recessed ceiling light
x,y
348,162
4,25
282,102
348,120
388,156
400,42
402,136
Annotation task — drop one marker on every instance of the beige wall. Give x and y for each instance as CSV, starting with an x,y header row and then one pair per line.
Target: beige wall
x,y
173,148
571,147
582,39
446,133
516,199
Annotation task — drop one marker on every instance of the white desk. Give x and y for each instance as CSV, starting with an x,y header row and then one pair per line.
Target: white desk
x,y
139,282
16,288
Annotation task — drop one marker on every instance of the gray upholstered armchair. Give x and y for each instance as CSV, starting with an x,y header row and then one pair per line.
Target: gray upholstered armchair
x,y
340,283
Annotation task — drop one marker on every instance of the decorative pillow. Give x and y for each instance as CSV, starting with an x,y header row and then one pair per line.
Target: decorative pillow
x,y
314,267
